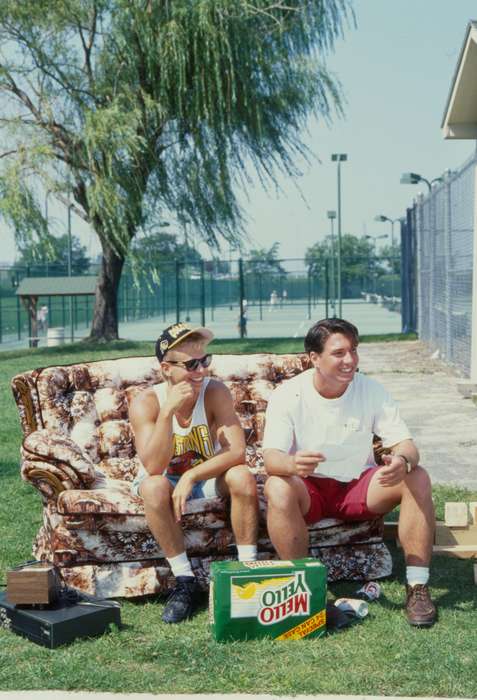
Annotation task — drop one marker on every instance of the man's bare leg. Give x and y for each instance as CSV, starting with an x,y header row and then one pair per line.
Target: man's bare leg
x,y
239,483
416,518
183,600
416,534
156,491
288,502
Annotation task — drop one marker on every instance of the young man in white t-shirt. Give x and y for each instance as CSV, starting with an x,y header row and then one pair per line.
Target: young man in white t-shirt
x,y
319,455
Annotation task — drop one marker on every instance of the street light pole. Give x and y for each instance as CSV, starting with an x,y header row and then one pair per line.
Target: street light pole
x,y
332,216
186,271
72,329
382,217
375,239
339,158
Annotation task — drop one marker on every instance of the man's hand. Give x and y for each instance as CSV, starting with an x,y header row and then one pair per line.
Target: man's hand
x,y
305,462
178,395
393,472
180,495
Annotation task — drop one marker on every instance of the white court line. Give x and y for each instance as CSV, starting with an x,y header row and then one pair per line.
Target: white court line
x,y
295,335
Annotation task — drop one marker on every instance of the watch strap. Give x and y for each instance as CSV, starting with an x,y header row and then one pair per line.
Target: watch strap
x,y
406,462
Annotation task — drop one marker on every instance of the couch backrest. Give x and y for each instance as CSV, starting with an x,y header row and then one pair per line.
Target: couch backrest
x,y
89,401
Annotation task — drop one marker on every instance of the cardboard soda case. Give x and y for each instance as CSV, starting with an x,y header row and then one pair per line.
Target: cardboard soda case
x,y
278,599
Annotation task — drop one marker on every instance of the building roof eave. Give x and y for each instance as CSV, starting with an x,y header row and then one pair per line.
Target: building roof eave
x,y
460,115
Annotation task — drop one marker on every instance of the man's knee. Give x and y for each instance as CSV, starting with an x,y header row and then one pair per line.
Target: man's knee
x,y
156,491
418,481
281,492
241,482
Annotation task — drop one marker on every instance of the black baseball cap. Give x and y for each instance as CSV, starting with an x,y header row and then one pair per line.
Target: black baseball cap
x,y
175,334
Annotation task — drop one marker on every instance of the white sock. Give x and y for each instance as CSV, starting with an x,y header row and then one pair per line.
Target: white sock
x,y
247,552
417,574
180,565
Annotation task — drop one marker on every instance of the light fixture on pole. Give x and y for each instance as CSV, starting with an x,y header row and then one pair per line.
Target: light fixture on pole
x,y
382,218
339,158
331,214
414,179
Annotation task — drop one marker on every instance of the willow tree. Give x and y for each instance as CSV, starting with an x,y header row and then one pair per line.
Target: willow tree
x,y
130,110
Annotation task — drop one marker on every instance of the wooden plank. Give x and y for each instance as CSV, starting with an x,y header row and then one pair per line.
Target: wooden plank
x,y
456,514
473,512
462,551
449,536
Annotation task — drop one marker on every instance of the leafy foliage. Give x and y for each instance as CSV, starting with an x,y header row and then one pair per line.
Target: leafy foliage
x,y
358,259
263,260
149,107
54,249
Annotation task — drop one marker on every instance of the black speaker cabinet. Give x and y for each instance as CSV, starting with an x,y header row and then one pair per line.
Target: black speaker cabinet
x,y
61,622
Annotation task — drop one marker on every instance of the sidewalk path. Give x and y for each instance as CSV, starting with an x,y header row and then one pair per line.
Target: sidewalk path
x,y
442,422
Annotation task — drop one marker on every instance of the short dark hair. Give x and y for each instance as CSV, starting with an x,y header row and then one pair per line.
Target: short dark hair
x,y
318,334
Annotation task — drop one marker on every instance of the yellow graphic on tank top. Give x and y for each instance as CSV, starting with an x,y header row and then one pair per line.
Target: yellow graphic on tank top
x,y
191,449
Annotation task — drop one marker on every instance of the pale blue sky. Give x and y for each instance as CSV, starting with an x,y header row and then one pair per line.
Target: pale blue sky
x,y
395,68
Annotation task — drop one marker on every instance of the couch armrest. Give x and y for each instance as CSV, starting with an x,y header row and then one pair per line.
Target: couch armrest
x,y
50,480
60,456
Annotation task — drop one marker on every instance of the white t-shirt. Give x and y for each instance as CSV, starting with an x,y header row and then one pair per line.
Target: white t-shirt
x,y
299,418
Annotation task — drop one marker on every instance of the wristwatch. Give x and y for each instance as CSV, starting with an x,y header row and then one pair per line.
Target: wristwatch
x,y
407,463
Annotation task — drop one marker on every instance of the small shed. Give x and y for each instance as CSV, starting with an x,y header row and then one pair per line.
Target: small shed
x,y
31,288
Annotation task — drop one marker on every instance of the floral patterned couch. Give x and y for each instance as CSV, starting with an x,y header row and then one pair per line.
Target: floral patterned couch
x,y
78,451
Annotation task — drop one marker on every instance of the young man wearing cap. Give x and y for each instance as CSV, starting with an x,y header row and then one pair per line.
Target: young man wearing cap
x,y
318,450
189,439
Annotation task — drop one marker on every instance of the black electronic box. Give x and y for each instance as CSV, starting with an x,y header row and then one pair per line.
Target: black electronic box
x,y
61,622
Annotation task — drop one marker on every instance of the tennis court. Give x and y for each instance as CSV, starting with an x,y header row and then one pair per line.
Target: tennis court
x,y
290,320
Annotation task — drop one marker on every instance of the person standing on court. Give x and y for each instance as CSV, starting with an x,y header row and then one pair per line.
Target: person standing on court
x,y
191,445
318,453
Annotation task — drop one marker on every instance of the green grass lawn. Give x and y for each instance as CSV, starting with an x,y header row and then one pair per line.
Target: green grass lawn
x,y
381,655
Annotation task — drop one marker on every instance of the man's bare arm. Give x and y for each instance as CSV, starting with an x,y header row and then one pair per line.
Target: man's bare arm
x,y
229,433
302,463
231,438
152,432
407,449
395,468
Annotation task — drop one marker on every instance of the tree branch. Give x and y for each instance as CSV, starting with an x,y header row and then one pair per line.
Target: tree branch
x,y
8,153
88,45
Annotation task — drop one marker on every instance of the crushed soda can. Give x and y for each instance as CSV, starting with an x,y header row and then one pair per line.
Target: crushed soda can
x,y
352,606
369,592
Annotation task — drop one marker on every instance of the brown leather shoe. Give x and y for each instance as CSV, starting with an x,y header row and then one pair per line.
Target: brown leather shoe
x,y
420,610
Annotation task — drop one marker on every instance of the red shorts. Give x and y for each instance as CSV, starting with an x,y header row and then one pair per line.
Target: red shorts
x,y
345,500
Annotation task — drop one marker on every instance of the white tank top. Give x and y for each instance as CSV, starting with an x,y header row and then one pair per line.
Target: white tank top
x,y
191,445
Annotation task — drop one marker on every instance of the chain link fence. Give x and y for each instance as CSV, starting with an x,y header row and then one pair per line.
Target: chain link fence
x,y
234,297
443,222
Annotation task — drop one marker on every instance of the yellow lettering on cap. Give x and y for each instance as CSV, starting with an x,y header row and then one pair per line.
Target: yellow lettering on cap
x,y
178,328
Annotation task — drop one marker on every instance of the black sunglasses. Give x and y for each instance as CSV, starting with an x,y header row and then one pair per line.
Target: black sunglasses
x,y
193,365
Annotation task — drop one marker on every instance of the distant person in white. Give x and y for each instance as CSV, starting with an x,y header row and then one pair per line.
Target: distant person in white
x,y
273,300
318,451
42,317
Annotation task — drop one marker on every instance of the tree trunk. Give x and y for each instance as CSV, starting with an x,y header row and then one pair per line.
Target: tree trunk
x,y
105,317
